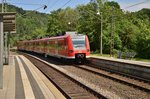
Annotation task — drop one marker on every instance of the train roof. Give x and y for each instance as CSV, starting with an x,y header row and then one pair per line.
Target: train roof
x,y
72,34
43,39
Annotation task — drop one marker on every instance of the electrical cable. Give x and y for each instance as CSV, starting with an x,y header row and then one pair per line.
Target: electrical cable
x,y
61,6
66,3
24,3
136,4
51,6
43,6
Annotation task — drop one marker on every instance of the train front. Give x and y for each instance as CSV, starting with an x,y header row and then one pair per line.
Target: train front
x,y
80,48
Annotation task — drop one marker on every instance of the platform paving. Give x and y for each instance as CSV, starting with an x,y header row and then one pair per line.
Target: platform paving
x,y
147,64
22,80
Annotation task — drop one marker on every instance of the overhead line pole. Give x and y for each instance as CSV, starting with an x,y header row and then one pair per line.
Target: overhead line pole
x,y
101,33
101,44
112,34
2,6
6,51
1,47
1,52
5,40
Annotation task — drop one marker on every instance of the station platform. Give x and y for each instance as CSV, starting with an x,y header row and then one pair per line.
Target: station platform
x,y
22,80
146,64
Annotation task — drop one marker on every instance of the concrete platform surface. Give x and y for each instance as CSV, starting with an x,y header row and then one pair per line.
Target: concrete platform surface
x,y
22,80
147,64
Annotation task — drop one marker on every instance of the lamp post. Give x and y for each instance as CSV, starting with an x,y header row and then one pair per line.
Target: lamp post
x,y
112,34
69,28
101,34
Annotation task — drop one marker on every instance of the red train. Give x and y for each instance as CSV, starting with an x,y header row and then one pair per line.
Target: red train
x,y
69,46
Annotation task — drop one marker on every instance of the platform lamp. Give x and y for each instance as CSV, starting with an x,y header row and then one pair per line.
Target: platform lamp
x,y
101,35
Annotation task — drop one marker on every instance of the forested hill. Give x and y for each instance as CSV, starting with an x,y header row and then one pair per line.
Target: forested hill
x,y
29,23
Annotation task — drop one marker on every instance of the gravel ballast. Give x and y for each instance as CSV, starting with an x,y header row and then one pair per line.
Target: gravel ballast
x,y
108,85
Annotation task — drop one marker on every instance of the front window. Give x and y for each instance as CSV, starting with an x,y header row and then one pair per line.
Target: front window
x,y
79,43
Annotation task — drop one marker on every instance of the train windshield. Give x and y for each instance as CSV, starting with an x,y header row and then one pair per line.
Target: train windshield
x,y
79,43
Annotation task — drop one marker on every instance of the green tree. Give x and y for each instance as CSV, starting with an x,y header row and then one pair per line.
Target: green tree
x,y
62,20
53,23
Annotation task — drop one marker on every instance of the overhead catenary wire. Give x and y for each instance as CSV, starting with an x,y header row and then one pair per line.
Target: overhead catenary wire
x,y
61,6
136,4
34,4
66,3
43,6
93,14
52,5
25,3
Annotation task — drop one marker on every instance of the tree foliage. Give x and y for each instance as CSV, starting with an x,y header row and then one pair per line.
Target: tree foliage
x,y
62,20
130,30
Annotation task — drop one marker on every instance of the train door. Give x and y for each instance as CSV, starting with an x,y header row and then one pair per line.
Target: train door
x,y
51,47
65,47
56,47
46,46
60,47
42,46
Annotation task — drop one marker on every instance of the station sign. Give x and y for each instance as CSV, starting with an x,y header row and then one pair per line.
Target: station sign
x,y
9,21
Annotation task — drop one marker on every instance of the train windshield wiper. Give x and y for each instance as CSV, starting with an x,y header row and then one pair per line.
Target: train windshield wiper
x,y
79,45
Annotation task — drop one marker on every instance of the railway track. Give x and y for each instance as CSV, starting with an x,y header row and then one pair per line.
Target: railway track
x,y
144,86
71,88
129,80
141,87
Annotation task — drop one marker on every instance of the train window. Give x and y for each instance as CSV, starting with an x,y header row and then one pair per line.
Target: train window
x,y
79,43
65,41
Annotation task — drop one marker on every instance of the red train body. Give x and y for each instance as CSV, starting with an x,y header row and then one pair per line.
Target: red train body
x,y
74,46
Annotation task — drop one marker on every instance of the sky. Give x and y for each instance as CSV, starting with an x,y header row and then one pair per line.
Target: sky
x,y
56,4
